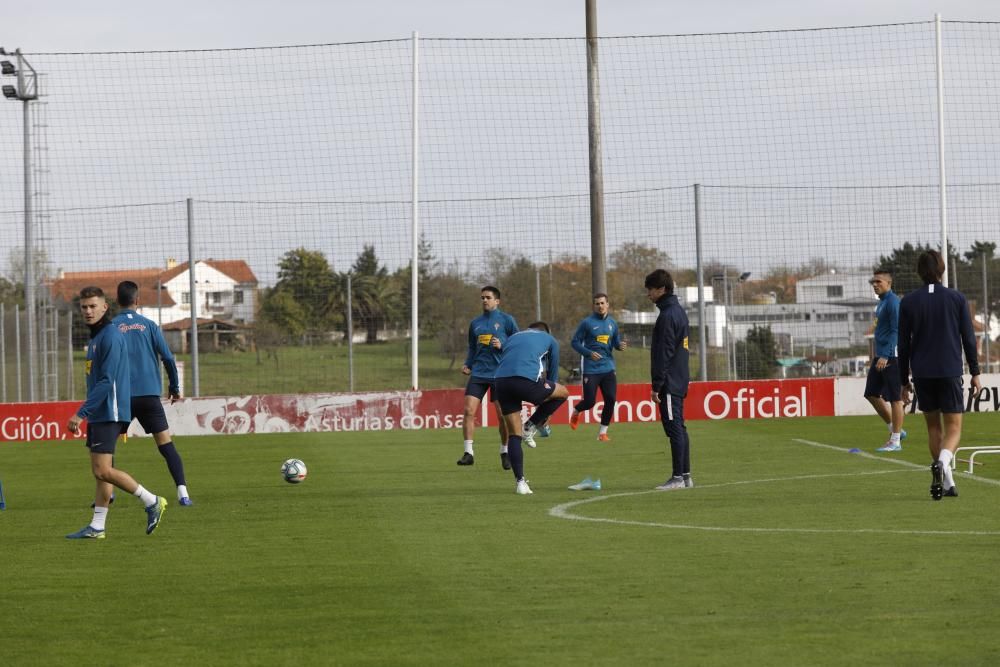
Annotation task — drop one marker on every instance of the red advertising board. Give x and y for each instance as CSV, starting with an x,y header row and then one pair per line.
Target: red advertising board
x,y
435,408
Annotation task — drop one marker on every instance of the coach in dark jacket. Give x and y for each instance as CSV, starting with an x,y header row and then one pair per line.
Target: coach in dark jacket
x,y
670,374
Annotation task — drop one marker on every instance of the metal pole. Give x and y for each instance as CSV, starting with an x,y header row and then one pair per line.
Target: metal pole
x,y
599,278
70,389
17,348
941,171
729,333
350,336
986,316
159,303
414,274
29,259
195,380
538,294
702,326
3,354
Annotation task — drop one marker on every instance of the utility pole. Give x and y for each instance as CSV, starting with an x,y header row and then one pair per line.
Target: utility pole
x,y
599,279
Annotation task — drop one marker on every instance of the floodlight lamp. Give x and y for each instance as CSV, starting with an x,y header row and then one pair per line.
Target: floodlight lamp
x,y
10,92
744,276
7,68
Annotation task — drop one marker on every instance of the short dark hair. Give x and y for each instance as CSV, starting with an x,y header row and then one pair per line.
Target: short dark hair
x,y
539,326
491,288
883,270
930,266
599,295
90,292
128,292
660,278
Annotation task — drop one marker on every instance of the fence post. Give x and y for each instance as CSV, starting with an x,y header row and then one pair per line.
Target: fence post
x,y
195,380
702,325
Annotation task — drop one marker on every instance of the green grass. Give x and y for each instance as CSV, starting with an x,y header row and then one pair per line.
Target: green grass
x,y
390,554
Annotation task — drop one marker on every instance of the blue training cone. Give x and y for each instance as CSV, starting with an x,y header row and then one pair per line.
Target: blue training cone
x,y
586,485
3,502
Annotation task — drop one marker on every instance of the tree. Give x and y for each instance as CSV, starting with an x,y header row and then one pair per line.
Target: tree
x,y
756,355
375,297
630,264
11,292
304,298
903,264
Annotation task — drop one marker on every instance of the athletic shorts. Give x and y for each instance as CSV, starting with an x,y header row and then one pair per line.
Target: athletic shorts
x,y
512,391
103,436
478,386
885,383
939,394
149,411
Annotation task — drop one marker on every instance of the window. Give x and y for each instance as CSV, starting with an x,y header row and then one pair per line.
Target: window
x,y
216,297
186,298
834,291
237,296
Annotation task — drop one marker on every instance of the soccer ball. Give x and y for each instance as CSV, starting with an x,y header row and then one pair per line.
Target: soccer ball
x,y
294,471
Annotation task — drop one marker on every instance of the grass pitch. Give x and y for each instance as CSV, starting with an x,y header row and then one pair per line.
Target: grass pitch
x,y
786,552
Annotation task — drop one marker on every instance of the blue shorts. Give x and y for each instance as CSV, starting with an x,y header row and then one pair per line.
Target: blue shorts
x,y
103,436
939,394
884,383
512,391
478,386
149,411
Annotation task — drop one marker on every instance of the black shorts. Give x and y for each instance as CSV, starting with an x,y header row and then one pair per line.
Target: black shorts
x,y
149,411
884,383
103,436
478,386
512,391
939,394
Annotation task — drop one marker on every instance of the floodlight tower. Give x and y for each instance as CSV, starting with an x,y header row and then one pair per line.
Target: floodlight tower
x,y
26,90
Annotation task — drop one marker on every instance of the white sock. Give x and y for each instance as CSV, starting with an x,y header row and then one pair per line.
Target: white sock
x,y
100,516
604,429
468,447
894,438
182,492
944,458
145,496
503,448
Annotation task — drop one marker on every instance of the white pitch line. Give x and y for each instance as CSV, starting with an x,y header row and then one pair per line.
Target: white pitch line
x,y
900,462
562,511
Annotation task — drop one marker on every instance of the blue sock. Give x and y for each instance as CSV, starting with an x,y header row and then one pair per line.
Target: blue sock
x,y
516,455
546,410
174,464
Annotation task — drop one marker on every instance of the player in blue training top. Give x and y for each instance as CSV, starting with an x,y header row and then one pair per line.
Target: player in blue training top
x,y
596,339
528,372
487,335
146,350
935,326
670,374
883,388
107,412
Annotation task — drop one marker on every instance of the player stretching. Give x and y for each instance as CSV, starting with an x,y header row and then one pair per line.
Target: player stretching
x,y
146,350
883,388
528,372
596,339
107,413
934,328
487,335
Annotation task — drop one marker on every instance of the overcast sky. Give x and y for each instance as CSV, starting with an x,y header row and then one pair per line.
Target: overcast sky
x,y
128,25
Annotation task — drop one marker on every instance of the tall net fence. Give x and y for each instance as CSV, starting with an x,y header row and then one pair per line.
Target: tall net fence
x,y
288,170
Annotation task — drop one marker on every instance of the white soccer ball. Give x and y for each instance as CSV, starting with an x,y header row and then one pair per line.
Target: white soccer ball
x,y
294,471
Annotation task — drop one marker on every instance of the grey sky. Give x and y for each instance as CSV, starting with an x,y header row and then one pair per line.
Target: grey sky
x,y
127,25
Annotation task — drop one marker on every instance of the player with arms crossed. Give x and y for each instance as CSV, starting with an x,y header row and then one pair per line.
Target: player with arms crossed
x,y
596,339
883,388
146,350
487,335
528,372
935,326
107,412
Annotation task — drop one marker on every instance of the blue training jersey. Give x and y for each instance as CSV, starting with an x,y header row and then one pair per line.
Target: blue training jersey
x,y
146,349
483,358
597,334
530,354
887,326
109,397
